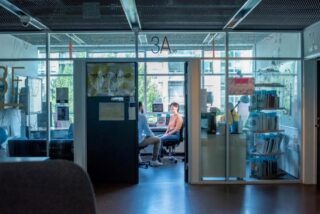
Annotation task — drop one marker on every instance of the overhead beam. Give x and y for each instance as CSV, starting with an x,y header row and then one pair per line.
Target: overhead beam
x,y
131,12
24,17
242,13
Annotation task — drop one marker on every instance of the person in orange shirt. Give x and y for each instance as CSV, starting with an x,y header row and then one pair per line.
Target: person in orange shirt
x,y
174,126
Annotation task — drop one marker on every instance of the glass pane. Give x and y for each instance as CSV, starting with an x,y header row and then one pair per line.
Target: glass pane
x,y
23,45
182,44
165,89
92,45
264,44
61,99
23,108
264,119
213,137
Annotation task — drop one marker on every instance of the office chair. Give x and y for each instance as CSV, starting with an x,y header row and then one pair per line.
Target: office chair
x,y
50,187
170,145
143,164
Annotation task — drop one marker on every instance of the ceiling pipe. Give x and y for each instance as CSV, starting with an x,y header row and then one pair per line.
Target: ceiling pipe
x,y
25,18
242,13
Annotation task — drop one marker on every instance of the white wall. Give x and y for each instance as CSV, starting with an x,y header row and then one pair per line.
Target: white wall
x,y
309,152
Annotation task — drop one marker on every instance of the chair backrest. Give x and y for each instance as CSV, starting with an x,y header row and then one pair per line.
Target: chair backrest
x,y
181,132
54,186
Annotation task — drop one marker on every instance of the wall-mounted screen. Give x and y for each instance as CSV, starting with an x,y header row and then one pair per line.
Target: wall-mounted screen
x,y
157,107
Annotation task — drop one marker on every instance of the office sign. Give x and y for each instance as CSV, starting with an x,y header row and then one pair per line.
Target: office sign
x,y
241,86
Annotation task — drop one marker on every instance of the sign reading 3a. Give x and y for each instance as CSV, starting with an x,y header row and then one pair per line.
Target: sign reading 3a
x,y
160,46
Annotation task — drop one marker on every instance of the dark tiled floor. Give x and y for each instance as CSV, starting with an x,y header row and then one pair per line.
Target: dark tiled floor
x,y
162,190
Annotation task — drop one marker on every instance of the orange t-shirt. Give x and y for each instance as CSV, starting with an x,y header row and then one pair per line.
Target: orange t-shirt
x,y
174,122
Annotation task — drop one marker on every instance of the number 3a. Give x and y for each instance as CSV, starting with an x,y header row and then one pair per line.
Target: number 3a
x,y
155,39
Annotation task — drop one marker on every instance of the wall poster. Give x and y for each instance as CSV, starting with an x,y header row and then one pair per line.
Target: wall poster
x,y
110,79
241,86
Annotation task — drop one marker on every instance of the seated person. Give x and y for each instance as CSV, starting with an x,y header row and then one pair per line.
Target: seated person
x,y
233,117
175,124
146,137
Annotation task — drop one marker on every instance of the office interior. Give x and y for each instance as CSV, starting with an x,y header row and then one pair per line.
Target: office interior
x,y
232,137
262,140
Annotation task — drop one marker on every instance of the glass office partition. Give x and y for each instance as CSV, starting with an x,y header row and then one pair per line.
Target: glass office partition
x,y
264,107
92,45
182,44
213,132
265,44
23,109
23,46
61,99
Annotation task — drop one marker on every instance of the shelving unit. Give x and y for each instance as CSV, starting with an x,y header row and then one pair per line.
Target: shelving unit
x,y
263,132
267,109
267,136
269,85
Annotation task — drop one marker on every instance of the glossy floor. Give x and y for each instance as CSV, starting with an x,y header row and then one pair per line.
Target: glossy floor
x,y
162,190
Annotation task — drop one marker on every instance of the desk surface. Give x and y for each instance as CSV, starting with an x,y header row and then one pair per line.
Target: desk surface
x,y
158,129
22,159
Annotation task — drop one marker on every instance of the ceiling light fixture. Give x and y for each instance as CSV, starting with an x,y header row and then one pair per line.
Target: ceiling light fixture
x,y
242,13
75,38
208,38
131,12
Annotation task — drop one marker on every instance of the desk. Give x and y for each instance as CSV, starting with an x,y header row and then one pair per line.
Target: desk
x,y
213,157
22,159
157,130
56,133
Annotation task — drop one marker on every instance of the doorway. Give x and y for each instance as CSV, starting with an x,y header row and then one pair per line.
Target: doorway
x,y
161,83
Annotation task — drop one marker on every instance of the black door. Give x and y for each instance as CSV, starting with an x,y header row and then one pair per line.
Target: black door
x,y
112,140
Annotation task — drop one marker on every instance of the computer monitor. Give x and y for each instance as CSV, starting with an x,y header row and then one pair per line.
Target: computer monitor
x,y
157,107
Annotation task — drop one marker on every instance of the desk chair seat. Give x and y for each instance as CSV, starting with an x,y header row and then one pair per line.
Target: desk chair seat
x,y
170,145
143,164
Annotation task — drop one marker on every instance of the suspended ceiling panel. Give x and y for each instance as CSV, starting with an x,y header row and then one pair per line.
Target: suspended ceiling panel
x,y
69,15
75,14
284,14
186,14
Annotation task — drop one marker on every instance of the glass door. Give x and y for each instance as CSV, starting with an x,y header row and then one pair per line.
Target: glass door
x,y
213,123
264,120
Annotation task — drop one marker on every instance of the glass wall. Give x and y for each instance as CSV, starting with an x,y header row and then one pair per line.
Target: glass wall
x,y
161,83
213,126
23,46
61,99
182,44
262,114
23,107
92,45
250,134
